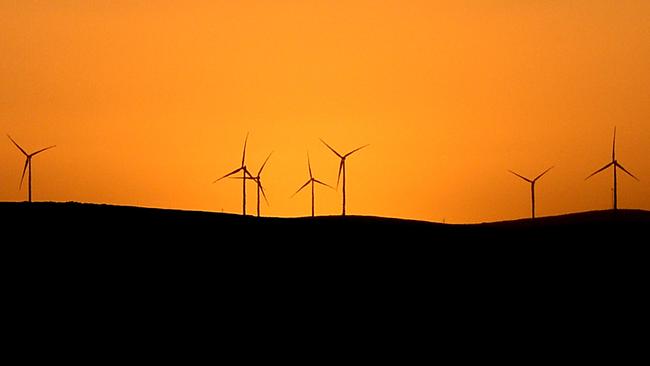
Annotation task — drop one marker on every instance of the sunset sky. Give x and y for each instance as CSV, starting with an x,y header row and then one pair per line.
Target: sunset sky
x,y
149,102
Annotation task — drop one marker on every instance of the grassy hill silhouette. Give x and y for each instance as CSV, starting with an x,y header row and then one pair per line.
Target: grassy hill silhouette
x,y
95,243
553,270
78,221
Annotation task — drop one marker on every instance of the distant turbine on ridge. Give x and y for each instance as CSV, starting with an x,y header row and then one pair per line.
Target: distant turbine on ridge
x,y
616,164
311,180
532,186
28,163
257,179
342,167
245,172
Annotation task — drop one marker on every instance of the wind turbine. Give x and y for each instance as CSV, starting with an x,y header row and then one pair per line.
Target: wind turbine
x,y
311,180
616,164
342,167
245,172
532,186
28,162
257,179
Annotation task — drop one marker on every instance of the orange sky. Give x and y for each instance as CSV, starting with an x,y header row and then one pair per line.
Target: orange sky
x,y
148,104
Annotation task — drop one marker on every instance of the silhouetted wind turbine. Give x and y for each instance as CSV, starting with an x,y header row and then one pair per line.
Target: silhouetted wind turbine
x,y
616,164
311,180
257,179
532,186
28,162
244,171
342,167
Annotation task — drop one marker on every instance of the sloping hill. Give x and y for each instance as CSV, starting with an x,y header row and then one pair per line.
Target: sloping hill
x,y
548,271
111,240
75,221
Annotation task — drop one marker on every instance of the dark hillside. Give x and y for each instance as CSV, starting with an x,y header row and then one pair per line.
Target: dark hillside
x,y
124,263
90,222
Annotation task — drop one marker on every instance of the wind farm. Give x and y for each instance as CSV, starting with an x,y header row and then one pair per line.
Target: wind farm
x,y
148,103
246,175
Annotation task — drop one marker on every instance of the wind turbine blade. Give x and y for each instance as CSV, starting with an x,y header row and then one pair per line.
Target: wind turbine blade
x,y
339,176
325,184
625,170
262,168
301,188
599,170
41,150
243,157
229,174
521,176
263,194
23,176
355,150
614,146
18,146
545,171
248,172
309,165
247,178
331,148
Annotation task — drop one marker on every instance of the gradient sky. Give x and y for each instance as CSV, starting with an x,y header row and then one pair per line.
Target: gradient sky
x,y
149,101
